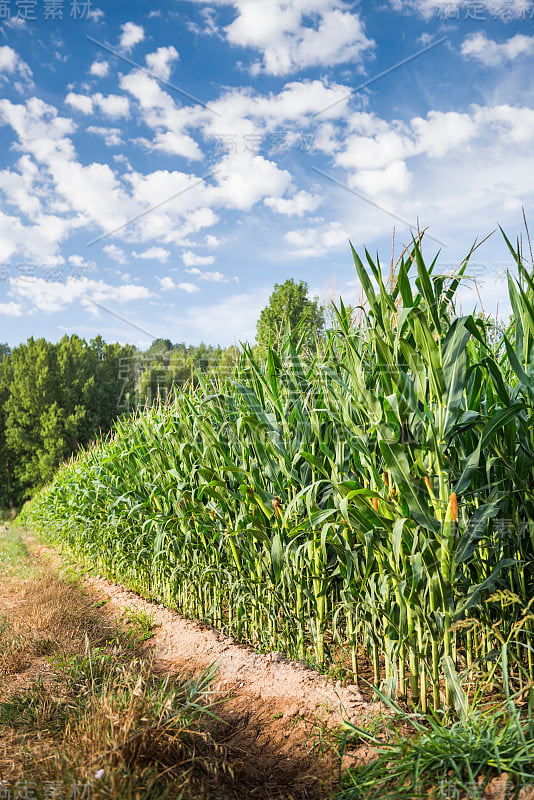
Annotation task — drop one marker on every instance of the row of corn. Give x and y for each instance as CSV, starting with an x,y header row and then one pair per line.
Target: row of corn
x,y
371,502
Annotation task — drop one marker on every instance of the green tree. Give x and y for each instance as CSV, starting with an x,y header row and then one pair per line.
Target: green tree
x,y
290,304
8,487
59,397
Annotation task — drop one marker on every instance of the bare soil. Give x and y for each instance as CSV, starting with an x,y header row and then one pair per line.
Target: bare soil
x,y
283,686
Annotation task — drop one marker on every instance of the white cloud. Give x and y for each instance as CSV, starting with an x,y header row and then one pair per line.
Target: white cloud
x,y
12,63
159,112
191,259
493,54
11,310
111,136
99,68
115,253
36,242
92,191
297,34
506,125
298,99
298,205
243,179
376,151
176,193
154,253
22,188
80,102
393,178
160,62
318,240
166,283
175,144
441,132
241,119
132,34
53,296
113,105
214,277
190,288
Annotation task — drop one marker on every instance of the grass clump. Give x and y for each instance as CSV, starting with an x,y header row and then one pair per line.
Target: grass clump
x,y
436,757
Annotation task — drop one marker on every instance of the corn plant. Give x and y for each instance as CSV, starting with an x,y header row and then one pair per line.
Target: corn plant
x,y
373,498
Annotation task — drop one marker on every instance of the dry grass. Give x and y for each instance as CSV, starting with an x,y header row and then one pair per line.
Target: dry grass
x,y
83,709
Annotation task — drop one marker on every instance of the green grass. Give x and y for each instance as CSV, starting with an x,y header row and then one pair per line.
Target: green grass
x,y
442,756
14,555
464,756
139,625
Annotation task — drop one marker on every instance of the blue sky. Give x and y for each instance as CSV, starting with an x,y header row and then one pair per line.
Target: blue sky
x,y
161,170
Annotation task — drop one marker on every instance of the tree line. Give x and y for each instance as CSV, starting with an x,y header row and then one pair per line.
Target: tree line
x,y
58,397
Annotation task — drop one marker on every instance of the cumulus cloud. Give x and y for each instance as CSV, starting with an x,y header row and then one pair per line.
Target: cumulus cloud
x,y
111,136
21,186
190,288
243,179
491,53
393,178
376,152
293,35
116,253
53,296
298,205
154,253
132,34
112,105
159,112
192,259
91,191
214,277
160,62
11,310
166,283
12,64
80,102
318,240
99,68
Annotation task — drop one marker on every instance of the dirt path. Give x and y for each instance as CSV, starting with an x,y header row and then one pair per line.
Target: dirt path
x,y
283,686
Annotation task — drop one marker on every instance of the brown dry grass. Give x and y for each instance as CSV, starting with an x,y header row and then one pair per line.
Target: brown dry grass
x,y
82,708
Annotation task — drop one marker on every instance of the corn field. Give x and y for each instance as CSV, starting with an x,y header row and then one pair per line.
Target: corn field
x,y
373,501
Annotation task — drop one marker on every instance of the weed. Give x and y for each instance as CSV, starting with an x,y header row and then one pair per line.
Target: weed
x,y
465,754
139,625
